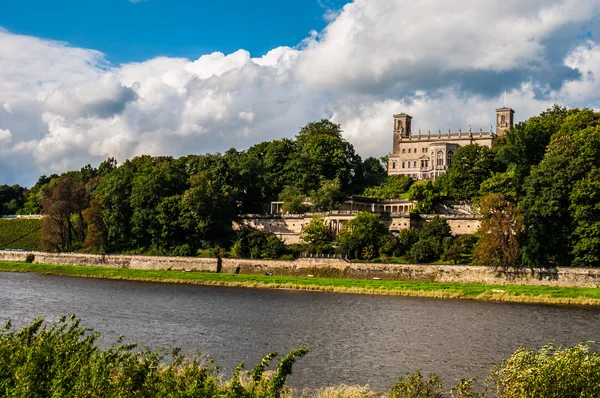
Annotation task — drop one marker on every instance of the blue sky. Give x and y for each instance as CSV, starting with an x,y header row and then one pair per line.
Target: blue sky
x,y
126,31
81,81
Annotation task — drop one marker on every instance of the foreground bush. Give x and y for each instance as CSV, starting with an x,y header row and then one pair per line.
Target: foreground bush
x,y
63,360
549,372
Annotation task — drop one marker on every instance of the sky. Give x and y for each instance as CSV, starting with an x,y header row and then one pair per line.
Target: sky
x,y
84,81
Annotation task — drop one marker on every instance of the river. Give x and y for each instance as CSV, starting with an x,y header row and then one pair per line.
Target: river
x,y
353,339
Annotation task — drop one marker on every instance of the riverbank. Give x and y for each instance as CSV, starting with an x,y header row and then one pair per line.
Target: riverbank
x,y
471,291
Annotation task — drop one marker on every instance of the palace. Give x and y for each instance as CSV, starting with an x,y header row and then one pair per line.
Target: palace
x,y
427,156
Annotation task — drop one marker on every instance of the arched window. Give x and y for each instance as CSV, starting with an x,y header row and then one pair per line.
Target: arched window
x,y
415,164
450,156
403,165
440,158
393,165
502,120
403,150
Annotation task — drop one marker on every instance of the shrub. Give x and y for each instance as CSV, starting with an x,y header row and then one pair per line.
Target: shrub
x,y
63,360
424,251
30,257
549,372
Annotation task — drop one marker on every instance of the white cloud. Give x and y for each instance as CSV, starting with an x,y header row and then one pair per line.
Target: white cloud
x,y
5,136
444,62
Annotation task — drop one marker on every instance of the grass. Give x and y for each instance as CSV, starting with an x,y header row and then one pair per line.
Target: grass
x,y
20,234
509,293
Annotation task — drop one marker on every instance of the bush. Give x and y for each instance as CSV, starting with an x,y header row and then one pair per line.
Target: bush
x,y
549,372
63,360
424,251
29,259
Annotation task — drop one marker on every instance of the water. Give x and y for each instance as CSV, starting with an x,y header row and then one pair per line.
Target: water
x,y
354,339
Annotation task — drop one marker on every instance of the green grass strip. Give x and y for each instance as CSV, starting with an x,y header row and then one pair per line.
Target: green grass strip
x,y
511,293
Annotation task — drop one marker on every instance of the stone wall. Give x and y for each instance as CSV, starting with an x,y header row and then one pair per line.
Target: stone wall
x,y
576,277
288,227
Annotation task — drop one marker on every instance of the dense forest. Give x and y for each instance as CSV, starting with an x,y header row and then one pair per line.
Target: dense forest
x,y
538,191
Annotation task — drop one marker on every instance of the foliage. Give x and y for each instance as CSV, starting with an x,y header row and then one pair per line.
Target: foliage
x,y
500,230
328,196
323,154
509,184
472,165
585,210
20,233
549,372
64,360
293,200
550,205
524,146
63,225
424,251
12,199
392,188
415,385
317,234
362,236
426,194
258,244
460,248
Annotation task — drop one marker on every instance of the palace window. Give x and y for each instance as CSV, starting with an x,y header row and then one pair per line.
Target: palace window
x,y
450,156
415,164
403,166
424,163
440,158
403,150
393,165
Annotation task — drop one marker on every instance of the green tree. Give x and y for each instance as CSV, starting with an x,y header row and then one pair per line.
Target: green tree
x,y
323,154
293,200
426,195
547,205
472,165
362,236
328,196
524,146
316,232
393,187
585,211
508,184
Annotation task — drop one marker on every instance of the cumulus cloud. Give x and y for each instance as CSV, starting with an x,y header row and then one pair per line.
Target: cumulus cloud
x,y
446,63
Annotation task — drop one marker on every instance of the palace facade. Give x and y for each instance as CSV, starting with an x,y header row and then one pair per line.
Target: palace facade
x,y
427,156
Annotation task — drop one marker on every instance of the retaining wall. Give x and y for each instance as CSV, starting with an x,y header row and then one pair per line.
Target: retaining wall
x,y
575,277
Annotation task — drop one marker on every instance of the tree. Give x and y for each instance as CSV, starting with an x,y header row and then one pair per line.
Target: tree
x,y
95,238
393,187
508,184
585,210
423,251
570,157
316,232
426,194
293,200
524,146
322,154
362,236
500,230
472,165
328,196
64,225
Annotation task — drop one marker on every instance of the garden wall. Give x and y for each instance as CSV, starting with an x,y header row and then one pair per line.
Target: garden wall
x,y
576,277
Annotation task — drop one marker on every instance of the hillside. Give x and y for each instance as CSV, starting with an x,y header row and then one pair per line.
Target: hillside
x,y
20,234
